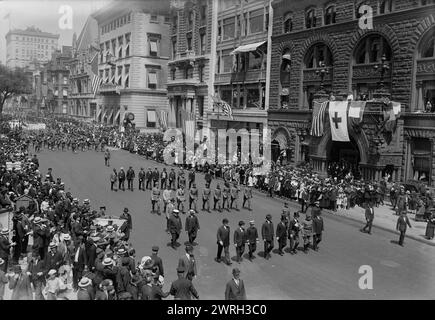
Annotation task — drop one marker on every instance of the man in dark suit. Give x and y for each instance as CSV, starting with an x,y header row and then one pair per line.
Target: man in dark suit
x,y
157,260
121,179
91,254
267,233
141,179
172,178
182,288
252,238
223,241
174,227
79,261
188,263
130,176
401,226
317,227
235,289
54,258
240,241
36,268
192,226
281,234
156,176
370,215
149,177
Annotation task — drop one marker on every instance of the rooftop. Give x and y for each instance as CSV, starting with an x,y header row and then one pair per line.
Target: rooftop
x,y
32,31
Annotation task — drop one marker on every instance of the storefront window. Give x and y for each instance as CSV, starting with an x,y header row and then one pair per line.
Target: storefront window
x,y
253,98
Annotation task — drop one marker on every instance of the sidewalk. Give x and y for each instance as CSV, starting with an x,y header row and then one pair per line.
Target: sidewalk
x,y
385,219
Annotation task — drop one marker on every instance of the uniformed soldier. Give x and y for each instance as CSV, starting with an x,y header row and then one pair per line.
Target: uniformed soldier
x,y
206,198
142,179
293,230
247,196
217,196
156,176
149,177
166,197
121,179
180,198
163,179
281,234
307,231
193,197
130,176
192,226
155,198
172,178
225,195
240,241
252,238
235,196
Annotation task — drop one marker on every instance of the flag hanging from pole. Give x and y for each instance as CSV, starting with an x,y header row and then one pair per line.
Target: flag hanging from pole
x,y
338,120
317,126
356,112
96,82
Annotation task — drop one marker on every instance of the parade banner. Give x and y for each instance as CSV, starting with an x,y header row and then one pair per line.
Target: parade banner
x,y
338,120
13,165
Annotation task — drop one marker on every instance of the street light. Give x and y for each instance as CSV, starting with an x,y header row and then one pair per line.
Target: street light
x,y
382,67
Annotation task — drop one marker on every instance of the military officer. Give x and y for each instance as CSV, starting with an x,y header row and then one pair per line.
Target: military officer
x,y
166,197
217,197
171,178
175,226
234,191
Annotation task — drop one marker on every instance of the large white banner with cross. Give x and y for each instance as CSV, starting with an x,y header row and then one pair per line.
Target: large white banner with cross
x,y
338,120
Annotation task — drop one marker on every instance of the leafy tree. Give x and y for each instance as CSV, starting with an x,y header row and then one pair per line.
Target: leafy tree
x,y
12,81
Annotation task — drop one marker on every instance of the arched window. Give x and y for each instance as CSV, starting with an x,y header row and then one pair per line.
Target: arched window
x,y
330,15
427,47
318,53
310,18
424,73
371,49
288,22
386,6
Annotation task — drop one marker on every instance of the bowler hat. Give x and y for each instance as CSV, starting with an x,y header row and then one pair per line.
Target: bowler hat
x,y
180,270
236,271
155,248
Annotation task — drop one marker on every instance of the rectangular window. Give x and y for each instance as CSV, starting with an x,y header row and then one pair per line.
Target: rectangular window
x,y
229,28
256,21
253,98
201,73
226,95
189,73
201,106
202,43
154,18
227,60
153,48
151,119
152,80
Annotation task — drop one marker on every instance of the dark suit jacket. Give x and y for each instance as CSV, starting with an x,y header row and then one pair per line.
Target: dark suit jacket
x,y
267,231
281,230
239,237
91,255
188,265
369,214
4,247
252,235
174,224
402,224
317,225
234,292
159,263
82,258
183,289
224,235
192,224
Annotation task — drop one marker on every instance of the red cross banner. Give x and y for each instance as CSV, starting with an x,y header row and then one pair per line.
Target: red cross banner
x,y
338,120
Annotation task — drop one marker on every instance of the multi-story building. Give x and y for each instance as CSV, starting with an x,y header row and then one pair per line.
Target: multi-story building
x,y
83,67
58,70
334,36
25,46
134,52
242,63
190,81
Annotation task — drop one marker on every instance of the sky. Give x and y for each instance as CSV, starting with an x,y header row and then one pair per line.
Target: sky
x,y
44,14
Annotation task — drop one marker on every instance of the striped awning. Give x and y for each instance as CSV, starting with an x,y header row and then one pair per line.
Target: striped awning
x,y
104,114
110,116
118,113
98,112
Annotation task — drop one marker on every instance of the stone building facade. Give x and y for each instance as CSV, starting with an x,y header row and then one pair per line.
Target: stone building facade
x,y
307,33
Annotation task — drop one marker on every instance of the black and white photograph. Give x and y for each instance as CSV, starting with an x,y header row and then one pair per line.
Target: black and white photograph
x,y
255,150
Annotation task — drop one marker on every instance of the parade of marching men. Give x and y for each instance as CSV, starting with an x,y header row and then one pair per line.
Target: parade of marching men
x,y
218,150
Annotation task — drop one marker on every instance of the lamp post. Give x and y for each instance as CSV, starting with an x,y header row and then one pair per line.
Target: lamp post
x,y
322,72
382,68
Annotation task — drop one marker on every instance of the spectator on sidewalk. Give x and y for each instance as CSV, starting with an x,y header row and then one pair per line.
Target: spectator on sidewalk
x,y
369,215
430,227
401,226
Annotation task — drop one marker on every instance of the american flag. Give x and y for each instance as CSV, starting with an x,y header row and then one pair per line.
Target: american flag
x,y
96,82
226,108
163,119
317,126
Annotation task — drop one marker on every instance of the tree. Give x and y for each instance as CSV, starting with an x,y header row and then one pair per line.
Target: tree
x,y
12,81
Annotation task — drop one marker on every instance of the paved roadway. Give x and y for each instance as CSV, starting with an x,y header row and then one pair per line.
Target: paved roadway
x,y
330,273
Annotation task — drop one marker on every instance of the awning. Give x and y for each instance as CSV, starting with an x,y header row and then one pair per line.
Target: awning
x,y
287,56
152,78
104,115
248,47
151,116
153,46
98,113
110,116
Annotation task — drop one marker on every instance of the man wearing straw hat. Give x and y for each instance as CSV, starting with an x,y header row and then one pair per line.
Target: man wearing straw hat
x,y
5,247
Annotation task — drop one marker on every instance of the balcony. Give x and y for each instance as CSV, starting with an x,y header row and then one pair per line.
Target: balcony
x,y
426,68
241,77
290,115
419,120
368,72
310,75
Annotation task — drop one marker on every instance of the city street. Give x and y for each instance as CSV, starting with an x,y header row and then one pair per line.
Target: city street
x,y
331,273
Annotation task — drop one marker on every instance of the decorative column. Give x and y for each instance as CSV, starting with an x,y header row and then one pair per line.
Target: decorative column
x,y
305,98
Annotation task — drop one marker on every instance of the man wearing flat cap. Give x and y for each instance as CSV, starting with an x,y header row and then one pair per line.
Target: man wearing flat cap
x,y
235,289
267,233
